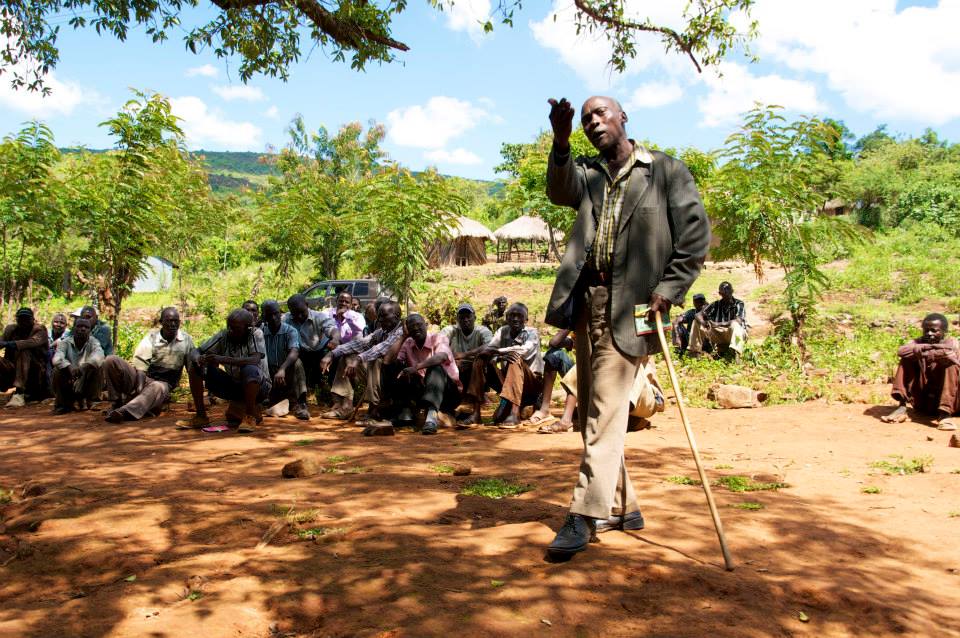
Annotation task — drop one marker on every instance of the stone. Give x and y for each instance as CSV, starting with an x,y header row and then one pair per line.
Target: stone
x,y
31,489
954,441
736,396
462,470
301,468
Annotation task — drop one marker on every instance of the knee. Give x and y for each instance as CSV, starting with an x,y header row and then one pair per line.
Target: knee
x,y
112,362
250,374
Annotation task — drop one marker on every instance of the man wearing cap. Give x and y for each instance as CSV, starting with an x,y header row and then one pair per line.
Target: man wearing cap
x,y
24,362
639,239
683,324
76,369
144,387
467,341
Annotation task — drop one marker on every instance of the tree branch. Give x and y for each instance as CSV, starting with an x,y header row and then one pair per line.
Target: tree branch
x,y
601,18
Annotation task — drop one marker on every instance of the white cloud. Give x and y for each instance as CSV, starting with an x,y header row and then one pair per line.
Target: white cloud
x,y
588,54
206,71
64,97
203,125
239,92
437,122
890,63
651,95
456,156
273,112
737,90
469,16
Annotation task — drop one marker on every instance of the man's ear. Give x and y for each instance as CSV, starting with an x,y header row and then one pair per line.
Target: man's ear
x,y
623,117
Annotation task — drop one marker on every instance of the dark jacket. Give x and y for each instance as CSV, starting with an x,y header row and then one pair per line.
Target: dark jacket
x,y
662,240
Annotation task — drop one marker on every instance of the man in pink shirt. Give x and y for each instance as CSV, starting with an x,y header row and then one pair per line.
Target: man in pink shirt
x,y
430,378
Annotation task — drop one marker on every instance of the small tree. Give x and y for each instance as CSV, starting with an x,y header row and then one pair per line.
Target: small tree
x,y
406,214
763,202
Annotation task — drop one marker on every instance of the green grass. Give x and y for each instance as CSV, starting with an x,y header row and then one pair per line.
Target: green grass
x,y
901,466
292,515
304,442
317,532
682,480
723,466
497,583
337,458
194,595
442,468
494,488
747,506
870,489
746,484
5,496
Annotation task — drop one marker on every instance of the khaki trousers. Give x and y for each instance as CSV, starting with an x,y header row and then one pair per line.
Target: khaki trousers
x,y
140,393
343,388
605,378
733,336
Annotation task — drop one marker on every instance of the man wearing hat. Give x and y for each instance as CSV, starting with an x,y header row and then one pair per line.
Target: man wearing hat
x,y
682,325
467,340
24,362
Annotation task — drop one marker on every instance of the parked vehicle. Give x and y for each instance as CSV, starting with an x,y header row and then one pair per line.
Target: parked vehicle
x,y
323,294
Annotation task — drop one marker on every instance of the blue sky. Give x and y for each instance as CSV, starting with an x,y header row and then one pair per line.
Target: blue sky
x,y
458,94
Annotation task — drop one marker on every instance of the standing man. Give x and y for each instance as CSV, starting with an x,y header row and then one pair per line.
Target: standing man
x,y
76,369
99,330
144,387
640,237
723,324
24,362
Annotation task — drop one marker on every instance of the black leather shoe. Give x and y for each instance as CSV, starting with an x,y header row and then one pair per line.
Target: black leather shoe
x,y
632,521
573,537
430,427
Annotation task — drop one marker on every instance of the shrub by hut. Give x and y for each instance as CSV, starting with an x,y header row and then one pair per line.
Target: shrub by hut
x,y
524,239
467,245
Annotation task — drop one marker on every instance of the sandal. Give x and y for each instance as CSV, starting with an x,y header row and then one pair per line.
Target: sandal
x,y
219,427
556,427
536,419
947,425
335,413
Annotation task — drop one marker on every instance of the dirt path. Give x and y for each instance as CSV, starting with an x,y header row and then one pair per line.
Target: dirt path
x,y
146,531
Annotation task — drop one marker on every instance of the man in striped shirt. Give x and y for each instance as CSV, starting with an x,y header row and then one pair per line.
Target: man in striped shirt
x,y
723,324
282,342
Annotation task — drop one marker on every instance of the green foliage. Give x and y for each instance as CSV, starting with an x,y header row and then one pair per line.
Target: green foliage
x,y
902,466
442,468
6,496
494,488
304,442
318,532
870,489
682,480
746,484
747,506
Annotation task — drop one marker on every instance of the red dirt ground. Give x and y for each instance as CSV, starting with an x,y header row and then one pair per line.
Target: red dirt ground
x,y
147,531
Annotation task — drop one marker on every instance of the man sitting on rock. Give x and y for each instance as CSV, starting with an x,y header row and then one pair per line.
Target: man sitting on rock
x,y
365,356
467,341
429,377
282,342
244,376
24,362
928,377
144,387
723,323
76,369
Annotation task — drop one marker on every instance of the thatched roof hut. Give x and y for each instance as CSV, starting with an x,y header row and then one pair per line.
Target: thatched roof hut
x,y
523,231
465,247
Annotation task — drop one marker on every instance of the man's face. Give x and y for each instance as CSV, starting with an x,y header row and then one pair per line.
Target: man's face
x,y
602,122
344,301
237,330
59,324
299,312
89,315
726,293
24,323
500,305
466,320
81,332
933,331
388,317
169,324
253,310
699,303
516,319
417,330
272,317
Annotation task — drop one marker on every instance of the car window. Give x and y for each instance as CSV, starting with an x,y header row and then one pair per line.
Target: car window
x,y
341,287
317,292
361,289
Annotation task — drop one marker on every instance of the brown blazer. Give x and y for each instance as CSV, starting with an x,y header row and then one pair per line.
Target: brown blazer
x,y
662,240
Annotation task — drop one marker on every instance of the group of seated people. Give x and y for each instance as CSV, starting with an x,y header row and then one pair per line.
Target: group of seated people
x,y
719,328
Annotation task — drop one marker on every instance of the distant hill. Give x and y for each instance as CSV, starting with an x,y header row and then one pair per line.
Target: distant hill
x,y
233,171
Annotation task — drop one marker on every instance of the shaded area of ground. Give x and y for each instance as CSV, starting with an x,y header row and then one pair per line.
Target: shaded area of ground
x,y
147,531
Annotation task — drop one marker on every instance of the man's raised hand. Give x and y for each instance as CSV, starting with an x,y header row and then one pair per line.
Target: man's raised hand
x,y
561,119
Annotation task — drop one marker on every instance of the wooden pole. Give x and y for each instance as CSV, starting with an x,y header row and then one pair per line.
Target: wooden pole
x,y
727,560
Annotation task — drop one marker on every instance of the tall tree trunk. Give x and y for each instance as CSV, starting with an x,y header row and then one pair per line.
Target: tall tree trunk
x,y
553,242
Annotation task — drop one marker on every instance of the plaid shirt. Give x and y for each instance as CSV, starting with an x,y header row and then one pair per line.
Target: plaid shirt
x,y
722,312
608,223
371,347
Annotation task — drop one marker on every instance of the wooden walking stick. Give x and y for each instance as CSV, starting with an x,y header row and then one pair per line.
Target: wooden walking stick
x,y
728,562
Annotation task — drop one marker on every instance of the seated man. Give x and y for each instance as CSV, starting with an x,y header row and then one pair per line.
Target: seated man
x,y
556,364
99,330
76,369
467,340
253,308
318,335
58,328
365,356
519,375
495,319
144,387
351,325
723,323
282,342
683,324
928,375
242,353
350,322
429,377
24,363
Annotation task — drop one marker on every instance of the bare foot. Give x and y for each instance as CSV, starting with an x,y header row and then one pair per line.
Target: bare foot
x,y
897,416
